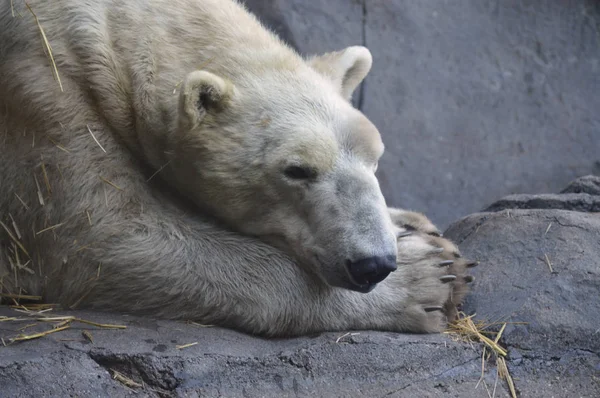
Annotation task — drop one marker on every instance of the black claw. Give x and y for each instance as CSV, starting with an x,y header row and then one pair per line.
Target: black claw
x,y
446,263
435,233
457,255
448,278
472,264
469,278
404,234
434,308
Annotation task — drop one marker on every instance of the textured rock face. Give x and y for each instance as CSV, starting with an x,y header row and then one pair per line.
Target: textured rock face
x,y
549,272
475,99
540,271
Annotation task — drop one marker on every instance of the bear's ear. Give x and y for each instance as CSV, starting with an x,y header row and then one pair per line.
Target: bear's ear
x,y
346,68
202,92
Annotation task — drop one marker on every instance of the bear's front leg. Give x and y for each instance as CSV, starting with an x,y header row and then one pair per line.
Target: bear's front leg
x,y
188,268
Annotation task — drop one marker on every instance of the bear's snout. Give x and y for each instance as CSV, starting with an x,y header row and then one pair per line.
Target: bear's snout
x,y
367,272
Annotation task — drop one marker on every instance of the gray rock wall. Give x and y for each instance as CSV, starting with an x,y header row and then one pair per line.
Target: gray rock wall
x,y
476,99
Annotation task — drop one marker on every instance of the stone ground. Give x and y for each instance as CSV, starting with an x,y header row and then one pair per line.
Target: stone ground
x,y
475,99
540,272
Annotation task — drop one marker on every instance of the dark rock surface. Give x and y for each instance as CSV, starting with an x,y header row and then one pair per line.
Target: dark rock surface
x,y
475,99
588,184
540,272
582,194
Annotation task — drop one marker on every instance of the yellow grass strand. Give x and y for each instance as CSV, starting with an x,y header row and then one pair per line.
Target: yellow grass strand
x,y
46,179
505,375
100,325
88,336
121,378
499,335
50,228
21,296
39,190
47,47
56,144
94,137
181,347
548,263
14,239
14,225
38,335
22,202
112,184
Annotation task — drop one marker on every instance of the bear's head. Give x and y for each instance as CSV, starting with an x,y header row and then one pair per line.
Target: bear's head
x,y
280,153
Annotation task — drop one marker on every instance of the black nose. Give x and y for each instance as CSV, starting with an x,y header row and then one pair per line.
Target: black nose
x,y
371,270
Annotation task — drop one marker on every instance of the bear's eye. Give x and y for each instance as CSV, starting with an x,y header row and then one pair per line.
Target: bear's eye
x,y
300,172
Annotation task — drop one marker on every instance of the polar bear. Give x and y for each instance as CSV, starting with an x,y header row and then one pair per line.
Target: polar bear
x,y
175,158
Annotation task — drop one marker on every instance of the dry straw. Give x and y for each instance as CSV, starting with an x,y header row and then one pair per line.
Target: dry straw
x,y
59,323
47,47
181,347
126,381
467,329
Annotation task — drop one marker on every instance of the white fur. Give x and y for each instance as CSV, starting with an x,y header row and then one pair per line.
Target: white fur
x,y
144,221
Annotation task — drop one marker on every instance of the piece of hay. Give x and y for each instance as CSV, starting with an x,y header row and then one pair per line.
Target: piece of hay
x,y
21,296
121,378
37,307
39,191
63,319
53,227
84,321
14,225
23,328
94,137
181,347
56,144
111,184
158,171
499,335
45,174
464,327
548,263
339,339
14,239
100,325
23,337
48,48
202,325
88,336
22,202
505,375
